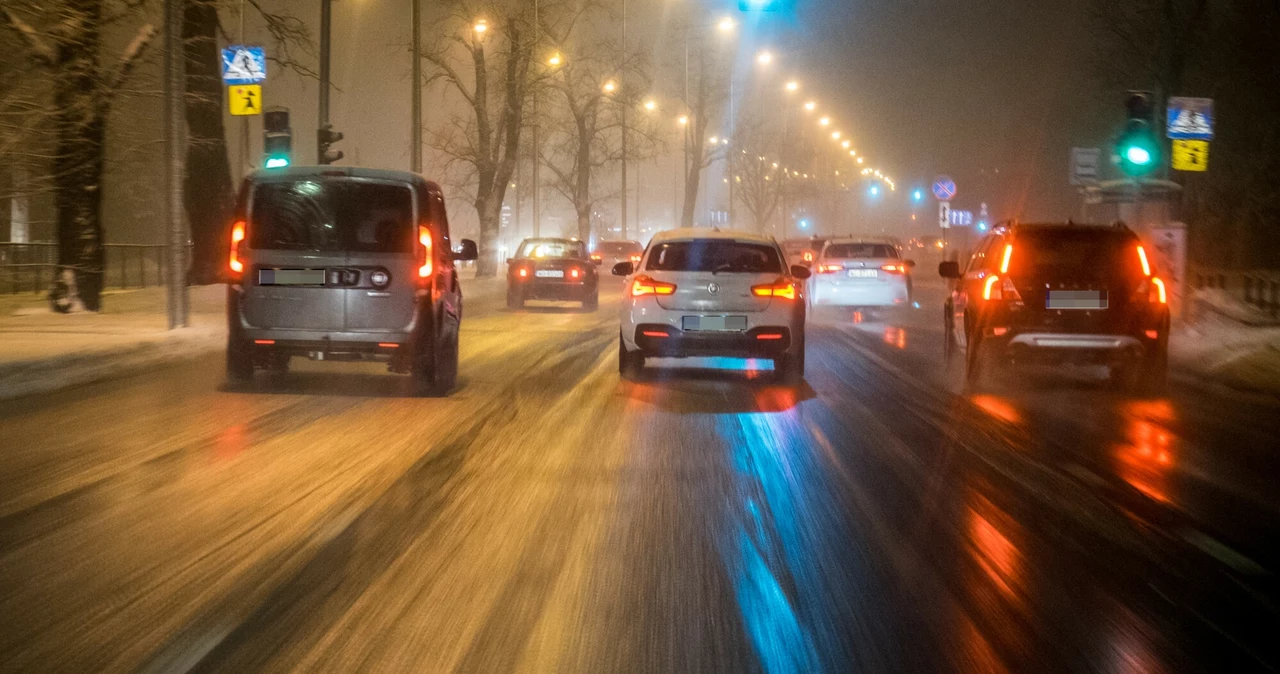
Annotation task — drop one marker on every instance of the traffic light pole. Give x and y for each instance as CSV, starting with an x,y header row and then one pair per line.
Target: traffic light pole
x,y
173,125
326,11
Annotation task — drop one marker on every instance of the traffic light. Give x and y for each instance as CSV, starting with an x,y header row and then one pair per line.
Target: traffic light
x,y
277,138
325,137
1138,149
764,5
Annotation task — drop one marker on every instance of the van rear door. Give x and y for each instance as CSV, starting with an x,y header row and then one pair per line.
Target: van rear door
x,y
382,250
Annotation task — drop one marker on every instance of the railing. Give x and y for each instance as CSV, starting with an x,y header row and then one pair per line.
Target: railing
x,y
29,267
1259,288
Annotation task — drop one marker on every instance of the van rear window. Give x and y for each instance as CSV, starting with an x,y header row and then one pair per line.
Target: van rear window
x,y
332,215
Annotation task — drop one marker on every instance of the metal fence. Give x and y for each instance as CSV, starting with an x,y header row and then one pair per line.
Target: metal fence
x,y
1260,288
29,267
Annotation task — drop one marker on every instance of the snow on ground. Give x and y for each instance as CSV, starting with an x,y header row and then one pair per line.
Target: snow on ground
x,y
1229,342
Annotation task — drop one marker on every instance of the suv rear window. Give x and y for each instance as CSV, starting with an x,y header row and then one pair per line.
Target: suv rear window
x,y
332,215
860,250
715,255
1072,253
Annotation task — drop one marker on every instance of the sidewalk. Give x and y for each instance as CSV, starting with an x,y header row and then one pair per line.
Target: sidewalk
x,y
43,351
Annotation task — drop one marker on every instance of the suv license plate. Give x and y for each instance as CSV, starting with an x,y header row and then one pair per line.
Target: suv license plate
x,y
862,273
290,277
1077,299
549,273
714,323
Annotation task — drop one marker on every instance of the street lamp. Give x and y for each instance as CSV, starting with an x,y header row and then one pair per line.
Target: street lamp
x,y
859,160
481,27
793,86
810,106
610,87
650,105
825,121
555,60
725,25
764,58
835,135
682,120
845,144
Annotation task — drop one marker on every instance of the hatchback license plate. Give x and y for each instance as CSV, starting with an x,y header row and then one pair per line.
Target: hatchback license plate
x,y
549,273
290,277
714,323
862,273
1077,299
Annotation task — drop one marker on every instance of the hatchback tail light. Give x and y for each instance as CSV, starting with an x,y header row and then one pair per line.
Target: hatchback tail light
x,y
425,248
644,285
783,288
237,238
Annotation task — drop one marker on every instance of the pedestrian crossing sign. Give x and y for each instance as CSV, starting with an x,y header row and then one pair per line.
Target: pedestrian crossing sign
x,y
1190,155
245,99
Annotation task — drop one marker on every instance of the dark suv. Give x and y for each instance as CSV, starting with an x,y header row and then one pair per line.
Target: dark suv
x,y
344,264
1060,293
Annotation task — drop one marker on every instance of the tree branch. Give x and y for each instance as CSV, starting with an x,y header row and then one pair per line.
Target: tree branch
x,y
130,56
39,48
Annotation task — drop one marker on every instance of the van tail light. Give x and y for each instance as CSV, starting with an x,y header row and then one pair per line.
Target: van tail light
x,y
1004,261
425,248
237,238
783,288
999,288
895,268
1142,257
830,268
643,285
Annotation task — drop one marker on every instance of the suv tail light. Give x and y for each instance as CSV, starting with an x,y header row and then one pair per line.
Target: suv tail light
x,y
783,288
643,285
1152,290
1000,289
237,238
1004,261
895,268
425,247
1142,257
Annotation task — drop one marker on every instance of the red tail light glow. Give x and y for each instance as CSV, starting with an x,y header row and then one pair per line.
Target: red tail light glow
x,y
768,335
1160,294
635,259
643,285
807,256
830,268
522,272
574,273
989,289
1142,257
388,345
237,237
264,342
424,240
654,333
895,268
1004,261
781,288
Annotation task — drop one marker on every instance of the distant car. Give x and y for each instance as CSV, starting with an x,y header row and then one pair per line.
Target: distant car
x,y
803,251
344,264
860,273
609,253
1060,293
709,292
553,269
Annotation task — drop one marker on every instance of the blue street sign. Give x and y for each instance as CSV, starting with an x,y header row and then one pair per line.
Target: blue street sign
x,y
961,218
1190,118
243,64
944,188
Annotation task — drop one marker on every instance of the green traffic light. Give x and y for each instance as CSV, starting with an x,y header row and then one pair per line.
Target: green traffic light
x,y
1138,156
277,162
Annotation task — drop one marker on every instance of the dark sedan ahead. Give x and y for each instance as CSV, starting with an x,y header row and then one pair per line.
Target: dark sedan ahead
x,y
552,269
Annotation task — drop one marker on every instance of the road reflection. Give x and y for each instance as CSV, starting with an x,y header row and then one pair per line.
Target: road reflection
x,y
1145,459
998,407
895,337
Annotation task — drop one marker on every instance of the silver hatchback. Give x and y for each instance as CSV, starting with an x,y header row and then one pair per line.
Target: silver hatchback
x,y
344,264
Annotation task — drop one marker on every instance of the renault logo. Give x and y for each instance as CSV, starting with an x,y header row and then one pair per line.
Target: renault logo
x,y
713,288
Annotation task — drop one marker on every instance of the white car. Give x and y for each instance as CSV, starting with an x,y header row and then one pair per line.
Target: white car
x,y
711,292
860,273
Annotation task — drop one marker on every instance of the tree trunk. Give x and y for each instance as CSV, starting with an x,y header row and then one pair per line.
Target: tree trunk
x,y
80,124
208,189
489,211
692,179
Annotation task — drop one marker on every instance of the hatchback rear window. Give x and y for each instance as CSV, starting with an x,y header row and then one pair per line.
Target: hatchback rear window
x,y
860,250
715,255
1078,253
332,215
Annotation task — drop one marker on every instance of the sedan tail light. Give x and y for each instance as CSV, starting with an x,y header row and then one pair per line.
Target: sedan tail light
x,y
830,268
643,285
783,288
237,238
894,268
575,273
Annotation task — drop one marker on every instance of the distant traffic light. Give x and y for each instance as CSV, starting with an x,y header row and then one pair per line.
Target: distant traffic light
x,y
764,5
1138,149
325,137
918,195
277,138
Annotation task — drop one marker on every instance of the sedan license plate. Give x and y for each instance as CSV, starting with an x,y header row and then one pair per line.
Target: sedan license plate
x,y
549,273
1077,299
714,323
862,273
290,277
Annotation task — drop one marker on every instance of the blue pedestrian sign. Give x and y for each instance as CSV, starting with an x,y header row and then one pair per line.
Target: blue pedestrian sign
x,y
1190,118
243,64
944,188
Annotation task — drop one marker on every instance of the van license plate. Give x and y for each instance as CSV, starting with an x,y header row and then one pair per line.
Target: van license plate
x,y
1077,299
862,273
714,323
290,277
549,273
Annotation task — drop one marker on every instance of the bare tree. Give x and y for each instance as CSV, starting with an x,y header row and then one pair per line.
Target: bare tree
x,y
65,37
706,106
756,168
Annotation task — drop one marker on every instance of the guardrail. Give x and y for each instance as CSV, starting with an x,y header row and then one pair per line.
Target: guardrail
x,y
29,267
1259,287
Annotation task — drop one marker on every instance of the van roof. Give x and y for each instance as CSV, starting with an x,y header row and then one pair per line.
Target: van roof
x,y
295,172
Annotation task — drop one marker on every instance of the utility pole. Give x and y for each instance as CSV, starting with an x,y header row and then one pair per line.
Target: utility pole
x,y
625,104
325,18
537,150
415,134
173,120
